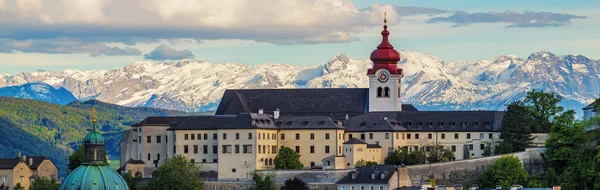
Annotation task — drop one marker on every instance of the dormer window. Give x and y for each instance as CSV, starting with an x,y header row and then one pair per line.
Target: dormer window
x,y
453,123
420,124
441,124
321,122
430,124
289,123
305,123
363,124
475,123
464,124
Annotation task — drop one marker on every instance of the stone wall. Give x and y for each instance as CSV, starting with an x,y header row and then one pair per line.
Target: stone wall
x,y
211,185
466,171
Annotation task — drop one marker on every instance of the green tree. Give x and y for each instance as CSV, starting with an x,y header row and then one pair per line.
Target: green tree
x,y
397,157
544,108
43,183
517,123
294,184
128,177
263,182
370,163
76,159
437,153
288,159
176,173
2,187
19,187
506,171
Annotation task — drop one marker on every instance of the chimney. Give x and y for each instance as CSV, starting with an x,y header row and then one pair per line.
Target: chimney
x,y
276,113
556,188
30,161
19,154
260,111
372,176
24,158
385,118
353,175
382,176
347,117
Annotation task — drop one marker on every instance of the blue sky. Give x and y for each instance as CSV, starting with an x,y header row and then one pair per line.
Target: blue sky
x,y
104,34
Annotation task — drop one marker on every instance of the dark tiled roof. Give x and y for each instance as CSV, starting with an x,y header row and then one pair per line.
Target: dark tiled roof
x,y
250,121
591,106
161,121
373,146
306,122
132,161
355,141
332,102
9,163
427,121
204,122
364,175
37,160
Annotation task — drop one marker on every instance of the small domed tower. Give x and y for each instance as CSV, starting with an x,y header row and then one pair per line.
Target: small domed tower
x,y
94,173
385,77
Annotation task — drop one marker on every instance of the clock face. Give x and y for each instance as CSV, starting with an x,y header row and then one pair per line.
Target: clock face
x,y
383,75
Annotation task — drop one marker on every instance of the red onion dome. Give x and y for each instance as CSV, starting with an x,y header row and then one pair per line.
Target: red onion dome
x,y
385,57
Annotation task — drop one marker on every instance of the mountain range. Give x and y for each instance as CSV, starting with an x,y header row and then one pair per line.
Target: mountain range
x,y
429,82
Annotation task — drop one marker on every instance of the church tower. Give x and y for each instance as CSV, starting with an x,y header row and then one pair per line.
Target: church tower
x,y
385,78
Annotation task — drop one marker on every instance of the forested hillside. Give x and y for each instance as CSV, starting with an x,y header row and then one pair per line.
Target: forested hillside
x,y
45,129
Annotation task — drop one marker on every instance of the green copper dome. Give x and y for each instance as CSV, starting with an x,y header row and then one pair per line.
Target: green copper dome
x,y
94,177
94,173
93,137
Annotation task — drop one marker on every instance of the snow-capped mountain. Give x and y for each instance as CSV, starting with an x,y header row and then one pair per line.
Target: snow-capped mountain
x,y
429,82
39,91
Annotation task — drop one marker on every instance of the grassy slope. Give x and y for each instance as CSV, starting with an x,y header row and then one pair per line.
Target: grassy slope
x,y
44,129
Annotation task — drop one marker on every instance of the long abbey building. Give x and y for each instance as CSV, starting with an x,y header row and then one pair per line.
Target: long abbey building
x,y
330,128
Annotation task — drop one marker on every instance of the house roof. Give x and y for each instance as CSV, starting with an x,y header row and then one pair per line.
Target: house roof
x,y
250,121
591,106
373,146
426,121
132,161
354,141
160,121
9,163
306,122
37,161
335,103
364,175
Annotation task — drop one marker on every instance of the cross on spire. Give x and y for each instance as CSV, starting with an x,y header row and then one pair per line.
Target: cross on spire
x,y
384,17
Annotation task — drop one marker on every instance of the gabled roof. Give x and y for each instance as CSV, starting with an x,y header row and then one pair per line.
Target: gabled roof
x,y
202,122
335,103
306,122
354,141
364,175
37,161
250,121
591,106
442,121
160,121
9,163
373,146
132,161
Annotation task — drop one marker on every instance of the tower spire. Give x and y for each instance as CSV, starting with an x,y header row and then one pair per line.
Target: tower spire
x,y
384,17
94,121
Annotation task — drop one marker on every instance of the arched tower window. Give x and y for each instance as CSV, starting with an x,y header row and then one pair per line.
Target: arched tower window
x,y
386,92
379,91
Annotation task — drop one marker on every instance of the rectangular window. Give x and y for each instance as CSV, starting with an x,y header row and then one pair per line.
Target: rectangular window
x,y
443,136
258,134
237,136
416,148
312,136
327,149
312,149
297,136
157,139
226,149
408,136
297,149
260,149
224,136
203,160
387,136
339,149
140,139
148,139
468,135
215,136
247,149
274,136
185,149
481,135
417,136
397,136
470,147
264,149
268,136
429,136
370,135
249,136
205,149
349,136
481,146
148,156
199,136
326,136
185,137
215,149
455,135
195,149
237,149
215,160
193,137
453,148
491,136
166,139
205,136
274,149
362,136
263,135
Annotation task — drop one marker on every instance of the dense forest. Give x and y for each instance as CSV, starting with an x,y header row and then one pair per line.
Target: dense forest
x,y
38,128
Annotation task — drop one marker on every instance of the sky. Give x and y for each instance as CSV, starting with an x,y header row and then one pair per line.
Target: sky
x,y
107,34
